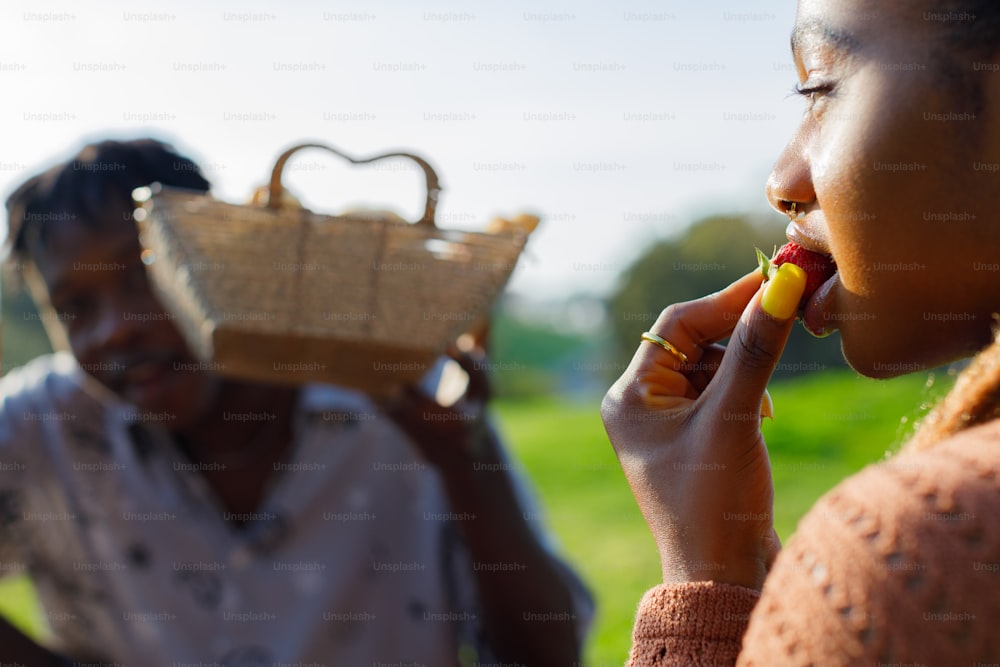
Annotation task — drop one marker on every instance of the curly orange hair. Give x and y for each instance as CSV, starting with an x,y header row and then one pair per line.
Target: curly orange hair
x,y
975,399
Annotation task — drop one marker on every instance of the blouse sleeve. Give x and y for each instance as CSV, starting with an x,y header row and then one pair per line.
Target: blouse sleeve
x,y
896,566
698,624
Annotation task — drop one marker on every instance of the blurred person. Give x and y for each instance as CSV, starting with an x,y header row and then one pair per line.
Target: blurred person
x,y
168,515
893,175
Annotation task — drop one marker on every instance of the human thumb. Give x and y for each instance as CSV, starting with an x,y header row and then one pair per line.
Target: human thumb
x,y
756,345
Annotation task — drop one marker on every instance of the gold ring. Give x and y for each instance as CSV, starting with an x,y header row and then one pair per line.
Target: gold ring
x,y
651,337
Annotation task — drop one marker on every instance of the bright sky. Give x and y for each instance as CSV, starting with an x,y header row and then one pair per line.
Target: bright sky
x,y
618,123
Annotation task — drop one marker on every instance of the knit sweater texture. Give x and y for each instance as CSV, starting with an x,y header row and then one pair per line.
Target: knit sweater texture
x,y
899,565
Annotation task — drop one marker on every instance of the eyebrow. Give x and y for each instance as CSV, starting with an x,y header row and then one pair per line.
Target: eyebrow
x,y
815,29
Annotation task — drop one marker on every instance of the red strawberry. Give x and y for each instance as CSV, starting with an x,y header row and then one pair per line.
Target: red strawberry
x,y
819,268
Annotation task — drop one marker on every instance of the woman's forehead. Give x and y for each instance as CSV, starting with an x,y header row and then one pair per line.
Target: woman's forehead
x,y
905,29
868,18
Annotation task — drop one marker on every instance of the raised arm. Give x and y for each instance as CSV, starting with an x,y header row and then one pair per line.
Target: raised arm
x,y
684,420
532,604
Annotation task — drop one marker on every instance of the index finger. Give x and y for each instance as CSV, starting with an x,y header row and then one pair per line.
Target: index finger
x,y
692,326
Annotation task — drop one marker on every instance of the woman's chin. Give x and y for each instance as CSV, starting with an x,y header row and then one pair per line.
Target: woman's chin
x,y
882,370
881,364
889,363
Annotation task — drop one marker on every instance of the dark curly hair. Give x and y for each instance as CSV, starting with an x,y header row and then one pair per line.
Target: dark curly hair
x,y
91,188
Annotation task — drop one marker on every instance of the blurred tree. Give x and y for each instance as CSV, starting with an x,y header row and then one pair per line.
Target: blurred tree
x,y
531,357
709,255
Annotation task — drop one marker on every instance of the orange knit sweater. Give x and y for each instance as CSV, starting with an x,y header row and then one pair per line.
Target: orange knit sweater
x,y
899,566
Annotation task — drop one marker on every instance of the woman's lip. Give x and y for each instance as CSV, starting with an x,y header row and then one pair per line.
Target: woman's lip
x,y
795,234
816,313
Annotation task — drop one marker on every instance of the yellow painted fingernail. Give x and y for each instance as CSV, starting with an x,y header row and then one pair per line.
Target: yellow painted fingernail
x,y
783,292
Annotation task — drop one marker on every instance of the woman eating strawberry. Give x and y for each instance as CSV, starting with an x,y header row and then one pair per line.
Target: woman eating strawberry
x,y
900,564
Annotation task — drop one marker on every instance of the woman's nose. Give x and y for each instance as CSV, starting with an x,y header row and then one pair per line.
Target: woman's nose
x,y
790,182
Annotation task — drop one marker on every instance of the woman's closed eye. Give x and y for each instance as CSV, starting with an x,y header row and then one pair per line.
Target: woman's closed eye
x,y
813,93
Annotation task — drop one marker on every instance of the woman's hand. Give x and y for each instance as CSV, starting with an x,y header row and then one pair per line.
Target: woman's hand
x,y
448,435
687,433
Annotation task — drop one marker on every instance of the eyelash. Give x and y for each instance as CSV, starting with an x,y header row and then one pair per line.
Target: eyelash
x,y
810,92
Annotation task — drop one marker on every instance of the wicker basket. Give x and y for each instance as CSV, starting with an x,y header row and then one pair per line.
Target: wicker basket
x,y
282,294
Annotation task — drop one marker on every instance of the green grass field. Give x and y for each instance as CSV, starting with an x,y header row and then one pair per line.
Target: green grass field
x,y
826,427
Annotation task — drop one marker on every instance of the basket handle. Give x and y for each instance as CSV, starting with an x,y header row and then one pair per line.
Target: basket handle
x,y
433,186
